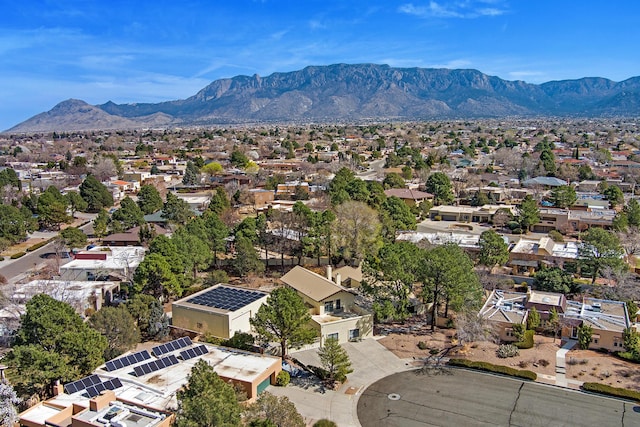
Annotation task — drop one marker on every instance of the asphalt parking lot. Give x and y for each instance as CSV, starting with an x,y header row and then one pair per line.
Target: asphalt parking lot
x,y
464,398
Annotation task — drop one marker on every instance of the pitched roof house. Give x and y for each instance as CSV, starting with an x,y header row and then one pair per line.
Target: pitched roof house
x,y
333,310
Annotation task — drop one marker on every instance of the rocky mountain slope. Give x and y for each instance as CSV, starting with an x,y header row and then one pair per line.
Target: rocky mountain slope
x,y
354,92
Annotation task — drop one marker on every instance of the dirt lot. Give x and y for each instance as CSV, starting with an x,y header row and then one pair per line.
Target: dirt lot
x,y
582,365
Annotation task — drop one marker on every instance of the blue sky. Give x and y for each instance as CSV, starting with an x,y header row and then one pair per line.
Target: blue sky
x,y
151,51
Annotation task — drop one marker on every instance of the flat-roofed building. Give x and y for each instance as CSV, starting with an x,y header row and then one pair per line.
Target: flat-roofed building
x,y
145,383
503,309
608,319
221,310
103,262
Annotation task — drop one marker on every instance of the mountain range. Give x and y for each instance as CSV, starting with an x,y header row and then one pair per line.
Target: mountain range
x,y
358,92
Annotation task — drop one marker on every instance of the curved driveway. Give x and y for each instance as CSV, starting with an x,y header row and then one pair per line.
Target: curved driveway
x,y
464,398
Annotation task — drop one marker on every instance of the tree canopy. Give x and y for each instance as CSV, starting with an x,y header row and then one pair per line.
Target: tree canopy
x,y
118,326
440,186
335,360
73,237
600,248
447,276
206,400
563,196
149,199
53,343
284,318
356,231
555,280
528,213
149,317
269,410
95,194
493,249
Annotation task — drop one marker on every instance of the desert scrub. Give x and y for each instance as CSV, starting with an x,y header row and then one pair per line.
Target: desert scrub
x,y
507,350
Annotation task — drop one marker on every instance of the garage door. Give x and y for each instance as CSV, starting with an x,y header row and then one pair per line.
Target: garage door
x,y
263,385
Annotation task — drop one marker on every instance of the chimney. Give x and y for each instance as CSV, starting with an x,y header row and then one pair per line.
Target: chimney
x,y
58,388
329,272
102,401
339,279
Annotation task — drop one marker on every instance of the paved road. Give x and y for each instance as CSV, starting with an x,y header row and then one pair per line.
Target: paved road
x,y
14,269
464,398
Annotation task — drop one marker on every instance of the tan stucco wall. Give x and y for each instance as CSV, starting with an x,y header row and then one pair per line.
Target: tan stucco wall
x,y
343,326
347,299
214,323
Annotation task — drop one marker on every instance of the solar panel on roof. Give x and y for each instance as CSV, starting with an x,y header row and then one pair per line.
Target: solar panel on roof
x,y
81,384
92,391
113,384
128,360
138,371
226,298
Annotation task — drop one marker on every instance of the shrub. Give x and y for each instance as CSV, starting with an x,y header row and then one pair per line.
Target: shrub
x,y
512,225
523,364
611,391
507,350
543,362
18,255
556,236
629,356
240,340
37,246
283,379
422,345
484,366
325,423
527,342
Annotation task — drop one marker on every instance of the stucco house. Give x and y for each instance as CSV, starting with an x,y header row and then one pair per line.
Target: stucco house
x,y
221,310
608,319
333,310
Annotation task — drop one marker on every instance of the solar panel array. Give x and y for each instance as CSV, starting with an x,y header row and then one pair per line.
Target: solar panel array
x,y
225,298
190,353
155,365
131,359
111,384
82,384
171,346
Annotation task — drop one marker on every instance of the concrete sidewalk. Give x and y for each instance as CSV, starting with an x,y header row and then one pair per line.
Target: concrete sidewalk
x,y
370,361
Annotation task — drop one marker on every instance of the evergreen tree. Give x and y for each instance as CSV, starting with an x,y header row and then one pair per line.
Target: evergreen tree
x,y
191,174
149,199
528,213
117,325
53,343
284,318
335,360
493,249
95,194
206,400
440,186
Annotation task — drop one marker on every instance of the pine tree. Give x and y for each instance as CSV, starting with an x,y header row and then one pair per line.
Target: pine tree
x,y
335,359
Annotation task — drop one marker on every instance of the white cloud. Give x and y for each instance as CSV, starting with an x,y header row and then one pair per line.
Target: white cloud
x,y
460,9
453,64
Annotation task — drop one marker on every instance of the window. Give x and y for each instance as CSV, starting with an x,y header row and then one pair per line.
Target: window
x,y
354,333
332,336
338,306
595,341
328,306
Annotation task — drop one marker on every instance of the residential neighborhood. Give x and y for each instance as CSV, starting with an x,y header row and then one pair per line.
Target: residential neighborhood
x,y
285,260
